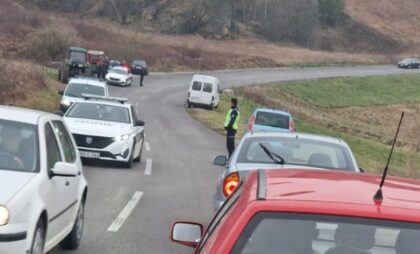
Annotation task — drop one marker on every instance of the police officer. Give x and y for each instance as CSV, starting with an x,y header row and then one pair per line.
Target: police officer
x,y
231,125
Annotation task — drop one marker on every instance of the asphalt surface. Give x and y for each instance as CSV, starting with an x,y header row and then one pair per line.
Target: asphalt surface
x,y
179,180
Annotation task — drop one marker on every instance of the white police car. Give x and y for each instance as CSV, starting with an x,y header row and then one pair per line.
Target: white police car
x,y
42,187
106,128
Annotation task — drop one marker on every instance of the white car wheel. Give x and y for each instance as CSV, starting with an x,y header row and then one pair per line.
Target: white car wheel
x,y
72,241
38,240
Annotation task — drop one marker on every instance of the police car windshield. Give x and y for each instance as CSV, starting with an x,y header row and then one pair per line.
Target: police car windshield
x,y
103,112
18,146
119,71
76,90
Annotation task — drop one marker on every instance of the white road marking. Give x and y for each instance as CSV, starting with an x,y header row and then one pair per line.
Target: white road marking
x,y
147,146
143,97
148,170
119,221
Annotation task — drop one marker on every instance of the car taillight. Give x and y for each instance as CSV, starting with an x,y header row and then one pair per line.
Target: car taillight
x,y
291,126
230,183
251,122
212,98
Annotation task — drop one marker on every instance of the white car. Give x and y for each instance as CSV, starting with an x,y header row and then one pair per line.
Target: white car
x,y
119,76
107,128
77,87
204,91
42,187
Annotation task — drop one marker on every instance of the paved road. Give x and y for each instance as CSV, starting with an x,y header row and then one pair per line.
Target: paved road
x,y
180,179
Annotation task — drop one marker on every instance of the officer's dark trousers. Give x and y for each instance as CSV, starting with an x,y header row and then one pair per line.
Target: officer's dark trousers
x,y
141,80
230,141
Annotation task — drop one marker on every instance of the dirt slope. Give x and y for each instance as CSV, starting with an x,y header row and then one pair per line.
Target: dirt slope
x,y
397,19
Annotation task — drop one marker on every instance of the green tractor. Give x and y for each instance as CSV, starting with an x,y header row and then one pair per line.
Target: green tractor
x,y
76,65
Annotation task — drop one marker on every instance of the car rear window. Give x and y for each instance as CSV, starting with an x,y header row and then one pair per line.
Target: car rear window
x,y
297,151
275,120
208,88
196,86
274,233
76,90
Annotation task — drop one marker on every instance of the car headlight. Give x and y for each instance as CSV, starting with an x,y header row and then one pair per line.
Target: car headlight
x,y
122,138
66,102
4,216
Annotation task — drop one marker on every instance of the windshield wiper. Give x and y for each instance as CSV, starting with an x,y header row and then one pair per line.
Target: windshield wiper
x,y
277,159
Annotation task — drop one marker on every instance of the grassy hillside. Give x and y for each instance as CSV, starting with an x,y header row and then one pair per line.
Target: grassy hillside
x,y
355,109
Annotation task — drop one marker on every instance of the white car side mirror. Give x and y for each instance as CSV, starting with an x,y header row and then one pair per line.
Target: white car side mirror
x,y
63,169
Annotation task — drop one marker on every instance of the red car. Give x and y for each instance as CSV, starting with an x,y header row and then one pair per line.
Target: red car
x,y
305,212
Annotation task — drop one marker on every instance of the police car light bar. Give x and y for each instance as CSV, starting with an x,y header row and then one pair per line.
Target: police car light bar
x,y
103,98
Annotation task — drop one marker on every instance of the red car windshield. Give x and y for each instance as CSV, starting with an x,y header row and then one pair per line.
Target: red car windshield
x,y
283,233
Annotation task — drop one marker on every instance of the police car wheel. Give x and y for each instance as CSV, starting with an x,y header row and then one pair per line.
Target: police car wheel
x,y
138,158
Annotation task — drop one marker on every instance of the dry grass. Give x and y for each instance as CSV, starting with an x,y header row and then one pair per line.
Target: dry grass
x,y
18,80
396,19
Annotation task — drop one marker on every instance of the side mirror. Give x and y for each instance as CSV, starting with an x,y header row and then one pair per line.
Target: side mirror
x,y
139,123
186,233
362,170
61,92
220,160
63,169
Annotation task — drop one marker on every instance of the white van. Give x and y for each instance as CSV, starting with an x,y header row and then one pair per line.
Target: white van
x,y
203,91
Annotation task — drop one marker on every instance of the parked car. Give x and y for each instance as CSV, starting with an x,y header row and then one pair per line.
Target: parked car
x,y
42,186
409,63
203,91
139,67
78,86
308,211
107,128
119,76
272,120
266,150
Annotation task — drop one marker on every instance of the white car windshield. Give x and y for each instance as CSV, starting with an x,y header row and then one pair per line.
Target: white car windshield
x,y
18,146
296,151
76,90
103,112
119,71
269,232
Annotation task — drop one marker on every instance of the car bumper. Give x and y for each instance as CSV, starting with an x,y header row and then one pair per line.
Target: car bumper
x,y
14,239
114,82
217,203
117,151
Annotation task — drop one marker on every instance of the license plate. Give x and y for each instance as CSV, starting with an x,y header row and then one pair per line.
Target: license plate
x,y
89,154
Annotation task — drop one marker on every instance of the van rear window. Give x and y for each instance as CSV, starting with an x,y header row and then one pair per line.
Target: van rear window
x,y
196,86
208,87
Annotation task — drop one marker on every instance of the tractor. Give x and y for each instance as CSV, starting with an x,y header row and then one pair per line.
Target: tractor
x,y
76,65
96,60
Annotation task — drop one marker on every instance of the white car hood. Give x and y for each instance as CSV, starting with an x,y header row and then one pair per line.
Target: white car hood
x,y
11,182
97,127
116,75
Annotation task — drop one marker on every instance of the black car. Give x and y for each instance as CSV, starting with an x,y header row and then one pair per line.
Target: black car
x,y
409,63
139,67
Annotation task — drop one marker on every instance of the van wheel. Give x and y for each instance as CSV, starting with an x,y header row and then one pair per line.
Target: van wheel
x,y
72,240
38,241
189,104
211,106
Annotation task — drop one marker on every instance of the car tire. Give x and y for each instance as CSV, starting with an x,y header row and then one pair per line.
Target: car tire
x,y
211,106
129,163
72,240
38,240
138,158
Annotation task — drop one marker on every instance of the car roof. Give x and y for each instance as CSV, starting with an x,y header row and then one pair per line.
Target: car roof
x,y
272,110
301,135
22,115
330,189
106,102
88,81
